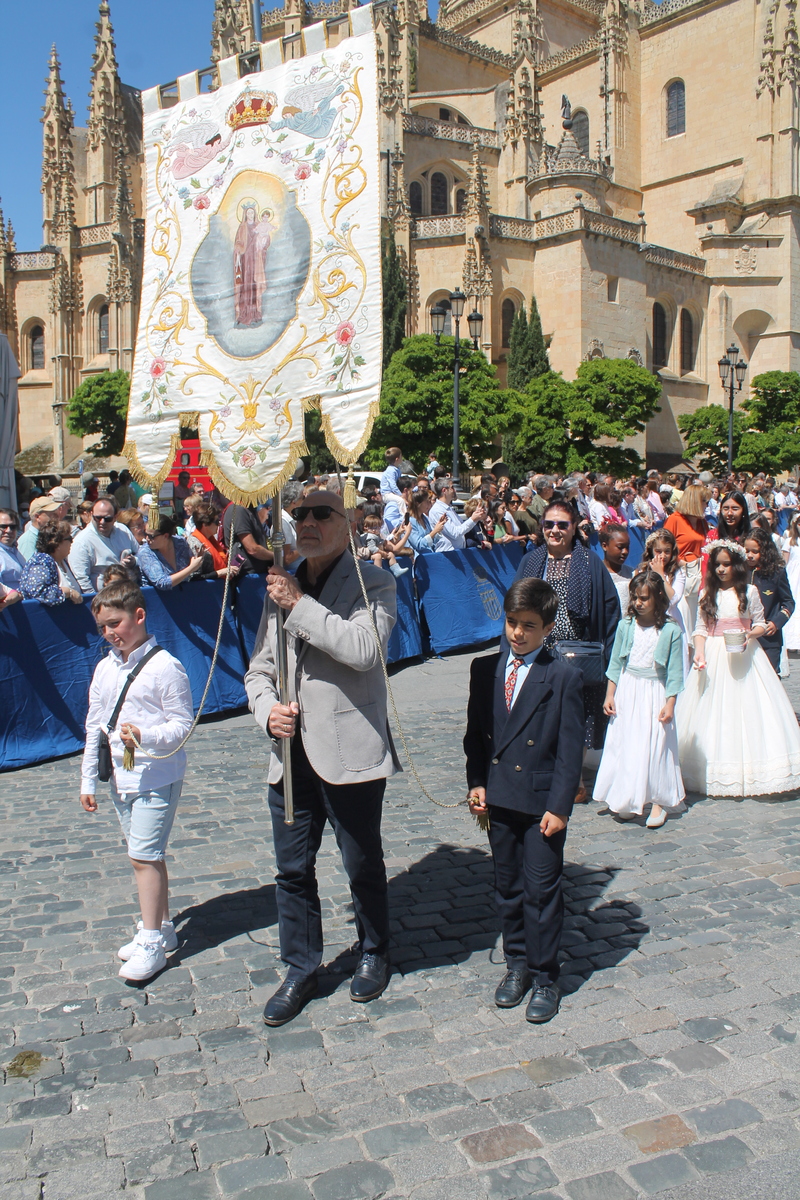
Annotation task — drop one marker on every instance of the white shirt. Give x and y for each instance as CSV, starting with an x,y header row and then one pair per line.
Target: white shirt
x,y
92,551
522,674
159,703
598,512
452,534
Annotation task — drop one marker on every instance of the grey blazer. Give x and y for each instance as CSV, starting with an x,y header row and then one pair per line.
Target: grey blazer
x,y
335,675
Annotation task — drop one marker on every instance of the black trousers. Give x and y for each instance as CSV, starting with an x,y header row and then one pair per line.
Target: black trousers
x,y
528,872
354,811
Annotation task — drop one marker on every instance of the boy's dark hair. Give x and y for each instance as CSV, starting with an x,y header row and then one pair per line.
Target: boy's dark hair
x,y
406,481
126,596
651,580
392,454
532,595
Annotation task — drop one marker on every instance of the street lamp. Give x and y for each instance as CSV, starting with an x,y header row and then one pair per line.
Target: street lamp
x,y
475,323
732,371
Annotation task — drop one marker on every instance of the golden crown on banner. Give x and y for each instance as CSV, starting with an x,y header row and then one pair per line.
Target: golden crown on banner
x,y
252,107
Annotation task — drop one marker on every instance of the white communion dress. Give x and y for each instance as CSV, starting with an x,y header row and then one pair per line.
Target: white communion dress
x,y
640,757
791,630
737,731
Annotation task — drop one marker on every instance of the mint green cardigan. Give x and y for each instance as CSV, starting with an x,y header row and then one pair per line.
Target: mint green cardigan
x,y
668,658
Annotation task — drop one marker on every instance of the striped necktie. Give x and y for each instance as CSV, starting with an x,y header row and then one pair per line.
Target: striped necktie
x,y
511,682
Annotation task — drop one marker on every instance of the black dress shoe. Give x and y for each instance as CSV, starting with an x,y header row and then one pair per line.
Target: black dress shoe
x,y
512,988
543,1005
371,977
289,999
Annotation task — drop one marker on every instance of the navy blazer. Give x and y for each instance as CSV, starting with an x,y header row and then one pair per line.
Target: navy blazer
x,y
528,759
776,596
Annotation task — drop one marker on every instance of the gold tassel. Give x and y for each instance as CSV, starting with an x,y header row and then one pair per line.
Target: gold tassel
x,y
350,497
483,822
128,759
153,515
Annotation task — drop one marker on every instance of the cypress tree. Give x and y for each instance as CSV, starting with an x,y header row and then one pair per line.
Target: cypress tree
x,y
395,299
536,358
517,375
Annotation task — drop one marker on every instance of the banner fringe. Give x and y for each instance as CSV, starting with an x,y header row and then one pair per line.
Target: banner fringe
x,y
236,494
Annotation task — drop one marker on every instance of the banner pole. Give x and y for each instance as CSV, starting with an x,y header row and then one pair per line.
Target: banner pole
x,y
277,543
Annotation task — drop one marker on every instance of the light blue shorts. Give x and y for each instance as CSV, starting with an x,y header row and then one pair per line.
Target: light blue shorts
x,y
146,819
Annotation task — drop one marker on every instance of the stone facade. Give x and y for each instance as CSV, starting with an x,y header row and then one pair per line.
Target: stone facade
x,y
653,213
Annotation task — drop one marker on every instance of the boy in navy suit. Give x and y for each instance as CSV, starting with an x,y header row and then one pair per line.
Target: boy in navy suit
x,y
524,748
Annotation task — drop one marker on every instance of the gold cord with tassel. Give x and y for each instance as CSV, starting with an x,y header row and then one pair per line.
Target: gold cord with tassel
x,y
128,758
350,497
481,819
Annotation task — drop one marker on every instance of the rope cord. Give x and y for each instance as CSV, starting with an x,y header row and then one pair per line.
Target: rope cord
x,y
389,691
212,668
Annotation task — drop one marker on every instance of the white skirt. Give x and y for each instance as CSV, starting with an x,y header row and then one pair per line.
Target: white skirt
x,y
640,757
791,630
737,731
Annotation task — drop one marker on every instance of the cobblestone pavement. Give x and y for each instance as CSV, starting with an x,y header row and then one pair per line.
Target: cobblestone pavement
x,y
671,1070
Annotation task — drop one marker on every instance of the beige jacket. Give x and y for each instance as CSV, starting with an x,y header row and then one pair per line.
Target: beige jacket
x,y
335,675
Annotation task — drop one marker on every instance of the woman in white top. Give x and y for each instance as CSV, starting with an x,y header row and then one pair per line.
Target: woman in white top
x,y
599,505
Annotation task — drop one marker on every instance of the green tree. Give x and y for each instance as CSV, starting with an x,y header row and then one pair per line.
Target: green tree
x,y
416,411
527,354
395,298
100,405
581,425
705,433
770,440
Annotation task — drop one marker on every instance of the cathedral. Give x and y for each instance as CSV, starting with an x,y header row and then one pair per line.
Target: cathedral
x,y
633,165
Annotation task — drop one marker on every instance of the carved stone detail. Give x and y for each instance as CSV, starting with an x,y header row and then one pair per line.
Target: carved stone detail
x,y
745,260
595,350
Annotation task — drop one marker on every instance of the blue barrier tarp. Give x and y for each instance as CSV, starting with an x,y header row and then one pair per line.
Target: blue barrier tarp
x,y
461,594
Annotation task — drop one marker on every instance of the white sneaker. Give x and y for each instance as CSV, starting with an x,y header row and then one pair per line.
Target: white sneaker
x,y
147,959
169,940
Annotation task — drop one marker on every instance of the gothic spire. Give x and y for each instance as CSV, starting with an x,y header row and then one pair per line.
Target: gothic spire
x,y
64,205
106,120
57,120
232,29
477,205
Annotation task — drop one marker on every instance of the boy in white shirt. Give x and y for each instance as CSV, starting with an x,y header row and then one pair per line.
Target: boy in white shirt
x,y
157,711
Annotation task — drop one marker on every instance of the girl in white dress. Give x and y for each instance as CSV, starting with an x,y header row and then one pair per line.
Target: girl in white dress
x,y
737,731
791,556
661,555
640,757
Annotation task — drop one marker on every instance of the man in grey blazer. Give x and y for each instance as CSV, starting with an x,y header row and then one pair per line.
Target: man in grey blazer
x,y
342,754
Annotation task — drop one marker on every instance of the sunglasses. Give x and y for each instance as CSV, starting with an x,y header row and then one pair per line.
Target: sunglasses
x,y
563,525
320,512
5,528
103,520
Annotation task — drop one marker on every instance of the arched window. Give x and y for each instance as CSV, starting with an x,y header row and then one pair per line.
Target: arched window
x,y
102,330
687,341
439,189
507,314
461,200
676,108
36,347
659,336
580,131
415,199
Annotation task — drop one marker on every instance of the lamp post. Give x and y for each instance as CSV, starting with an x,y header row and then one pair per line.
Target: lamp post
x,y
732,371
475,323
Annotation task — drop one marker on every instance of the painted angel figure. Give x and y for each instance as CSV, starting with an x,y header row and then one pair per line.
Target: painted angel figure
x,y
309,110
195,147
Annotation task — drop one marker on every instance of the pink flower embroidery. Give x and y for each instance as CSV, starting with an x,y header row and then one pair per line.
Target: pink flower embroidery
x,y
303,171
345,333
202,202
248,459
157,367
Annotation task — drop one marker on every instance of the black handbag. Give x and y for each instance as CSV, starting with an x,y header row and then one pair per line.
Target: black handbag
x,y
105,763
588,657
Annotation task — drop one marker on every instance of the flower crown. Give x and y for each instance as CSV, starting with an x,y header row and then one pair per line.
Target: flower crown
x,y
651,537
726,544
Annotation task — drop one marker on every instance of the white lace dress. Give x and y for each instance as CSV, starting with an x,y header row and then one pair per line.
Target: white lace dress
x,y
640,757
791,630
737,731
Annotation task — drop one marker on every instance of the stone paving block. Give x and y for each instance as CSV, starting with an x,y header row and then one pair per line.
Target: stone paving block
x,y
292,1189
394,1139
552,1069
610,1054
460,1121
659,1134
641,1074
194,1124
606,1185
503,1141
427,1161
565,1123
361,1181
322,1156
184,1187
227,1147
728,1154
661,1174
158,1161
497,1083
708,1029
101,1177
251,1173
15,1137
698,1057
527,1177
277,1108
436,1097
717,1118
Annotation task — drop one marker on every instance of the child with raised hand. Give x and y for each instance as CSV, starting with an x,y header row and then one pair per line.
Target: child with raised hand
x,y
661,555
768,574
140,692
640,757
616,543
737,732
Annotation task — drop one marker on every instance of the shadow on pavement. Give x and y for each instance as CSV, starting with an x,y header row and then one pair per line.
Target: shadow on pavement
x,y
223,918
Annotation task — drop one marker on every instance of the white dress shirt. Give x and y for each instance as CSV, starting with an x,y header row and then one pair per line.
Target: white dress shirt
x,y
91,552
522,674
159,703
452,536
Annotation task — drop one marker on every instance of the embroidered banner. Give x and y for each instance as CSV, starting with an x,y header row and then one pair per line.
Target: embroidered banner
x,y
261,294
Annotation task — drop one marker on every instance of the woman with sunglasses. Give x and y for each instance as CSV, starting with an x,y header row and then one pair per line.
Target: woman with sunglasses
x,y
166,560
47,576
588,604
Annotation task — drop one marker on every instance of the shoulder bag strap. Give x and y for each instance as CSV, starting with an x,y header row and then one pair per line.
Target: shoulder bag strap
x,y
126,686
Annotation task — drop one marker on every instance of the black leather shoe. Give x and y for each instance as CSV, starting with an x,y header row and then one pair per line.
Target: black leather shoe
x,y
543,1005
289,999
371,977
512,988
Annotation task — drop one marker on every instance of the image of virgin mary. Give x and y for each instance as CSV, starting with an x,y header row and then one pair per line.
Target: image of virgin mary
x,y
249,274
